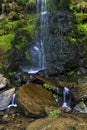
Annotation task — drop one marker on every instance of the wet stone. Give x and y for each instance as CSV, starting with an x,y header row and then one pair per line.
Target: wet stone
x,y
5,98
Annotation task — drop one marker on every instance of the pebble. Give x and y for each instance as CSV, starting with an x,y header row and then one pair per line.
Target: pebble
x,y
5,118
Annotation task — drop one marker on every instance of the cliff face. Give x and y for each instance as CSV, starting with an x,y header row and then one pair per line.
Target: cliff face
x,y
67,33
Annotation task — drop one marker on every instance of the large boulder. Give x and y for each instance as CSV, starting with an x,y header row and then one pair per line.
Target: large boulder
x,y
34,100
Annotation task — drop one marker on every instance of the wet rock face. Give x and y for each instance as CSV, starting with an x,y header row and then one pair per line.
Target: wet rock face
x,y
60,52
34,100
5,98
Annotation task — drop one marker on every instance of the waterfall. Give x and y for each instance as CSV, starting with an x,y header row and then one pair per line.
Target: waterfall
x,y
37,50
43,34
65,93
13,104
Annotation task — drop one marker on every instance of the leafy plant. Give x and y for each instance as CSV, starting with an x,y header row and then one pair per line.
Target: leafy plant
x,y
47,86
55,112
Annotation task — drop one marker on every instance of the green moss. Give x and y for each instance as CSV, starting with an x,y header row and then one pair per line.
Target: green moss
x,y
47,86
80,17
31,25
27,56
22,2
72,40
56,4
82,28
55,112
78,6
72,76
5,42
21,43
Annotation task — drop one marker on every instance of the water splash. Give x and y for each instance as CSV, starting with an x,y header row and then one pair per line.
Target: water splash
x,y
13,104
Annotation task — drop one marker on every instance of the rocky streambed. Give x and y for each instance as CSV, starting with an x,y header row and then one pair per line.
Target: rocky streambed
x,y
35,105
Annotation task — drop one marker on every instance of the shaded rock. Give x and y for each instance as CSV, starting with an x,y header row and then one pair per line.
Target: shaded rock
x,y
64,122
3,81
81,107
49,81
82,79
80,92
34,100
5,98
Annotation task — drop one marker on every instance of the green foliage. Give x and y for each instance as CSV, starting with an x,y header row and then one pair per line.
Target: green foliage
x,y
31,2
82,28
10,73
21,43
47,86
80,17
72,76
55,96
27,55
5,41
31,25
56,4
1,66
22,2
72,39
79,7
55,112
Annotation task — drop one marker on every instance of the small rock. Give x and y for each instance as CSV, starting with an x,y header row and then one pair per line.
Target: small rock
x,y
5,118
81,107
3,81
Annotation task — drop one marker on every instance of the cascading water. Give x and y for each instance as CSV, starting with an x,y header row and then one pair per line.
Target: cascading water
x,y
65,93
12,104
37,53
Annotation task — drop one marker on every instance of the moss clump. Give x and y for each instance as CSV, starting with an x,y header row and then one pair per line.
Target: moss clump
x,y
82,28
72,76
5,41
71,39
78,6
54,5
31,25
80,17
